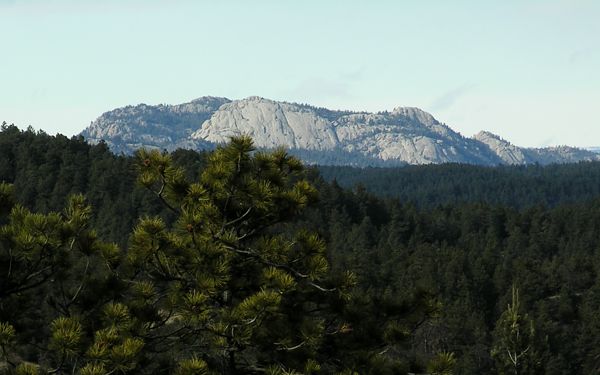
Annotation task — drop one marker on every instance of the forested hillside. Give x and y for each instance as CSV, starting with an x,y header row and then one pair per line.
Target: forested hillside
x,y
515,186
45,170
451,263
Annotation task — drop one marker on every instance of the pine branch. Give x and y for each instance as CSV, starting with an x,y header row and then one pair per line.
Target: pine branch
x,y
290,348
284,267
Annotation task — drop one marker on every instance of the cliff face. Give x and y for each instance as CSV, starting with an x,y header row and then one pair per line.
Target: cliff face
x,y
318,135
162,126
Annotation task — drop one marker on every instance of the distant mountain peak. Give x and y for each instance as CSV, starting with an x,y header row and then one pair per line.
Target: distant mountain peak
x,y
487,134
416,114
256,98
210,99
318,135
270,123
506,151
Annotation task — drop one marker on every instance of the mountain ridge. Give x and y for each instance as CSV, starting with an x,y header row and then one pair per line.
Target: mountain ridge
x,y
405,135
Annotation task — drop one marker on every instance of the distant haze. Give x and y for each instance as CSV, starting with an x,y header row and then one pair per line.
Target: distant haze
x,y
525,69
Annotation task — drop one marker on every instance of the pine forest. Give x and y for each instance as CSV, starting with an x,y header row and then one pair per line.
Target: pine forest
x,y
246,261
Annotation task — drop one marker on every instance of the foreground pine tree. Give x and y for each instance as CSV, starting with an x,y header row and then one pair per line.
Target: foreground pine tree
x,y
55,278
225,284
229,287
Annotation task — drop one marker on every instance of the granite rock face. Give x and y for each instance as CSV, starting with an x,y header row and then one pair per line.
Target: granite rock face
x,y
161,126
406,135
270,124
511,154
506,151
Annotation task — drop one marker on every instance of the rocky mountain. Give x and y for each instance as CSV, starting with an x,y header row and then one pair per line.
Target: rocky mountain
x,y
161,126
511,154
507,152
317,135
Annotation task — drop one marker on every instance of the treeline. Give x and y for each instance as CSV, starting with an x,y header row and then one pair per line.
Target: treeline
x,y
470,256
428,186
220,280
46,169
460,236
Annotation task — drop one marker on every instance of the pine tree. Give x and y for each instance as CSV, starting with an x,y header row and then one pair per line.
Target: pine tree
x,y
514,348
54,277
224,282
228,287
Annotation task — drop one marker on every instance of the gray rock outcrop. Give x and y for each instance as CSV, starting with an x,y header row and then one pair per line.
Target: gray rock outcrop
x,y
406,135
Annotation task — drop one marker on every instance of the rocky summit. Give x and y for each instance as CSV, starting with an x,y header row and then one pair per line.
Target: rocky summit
x,y
406,135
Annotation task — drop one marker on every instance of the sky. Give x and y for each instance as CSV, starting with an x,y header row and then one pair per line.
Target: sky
x,y
528,70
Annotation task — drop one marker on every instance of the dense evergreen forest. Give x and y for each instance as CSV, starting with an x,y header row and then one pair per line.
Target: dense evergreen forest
x,y
435,269
428,186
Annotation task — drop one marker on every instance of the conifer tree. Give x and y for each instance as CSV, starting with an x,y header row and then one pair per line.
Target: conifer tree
x,y
228,287
55,277
225,283
514,349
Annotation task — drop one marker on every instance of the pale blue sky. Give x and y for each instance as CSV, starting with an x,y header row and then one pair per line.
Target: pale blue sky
x,y
527,70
